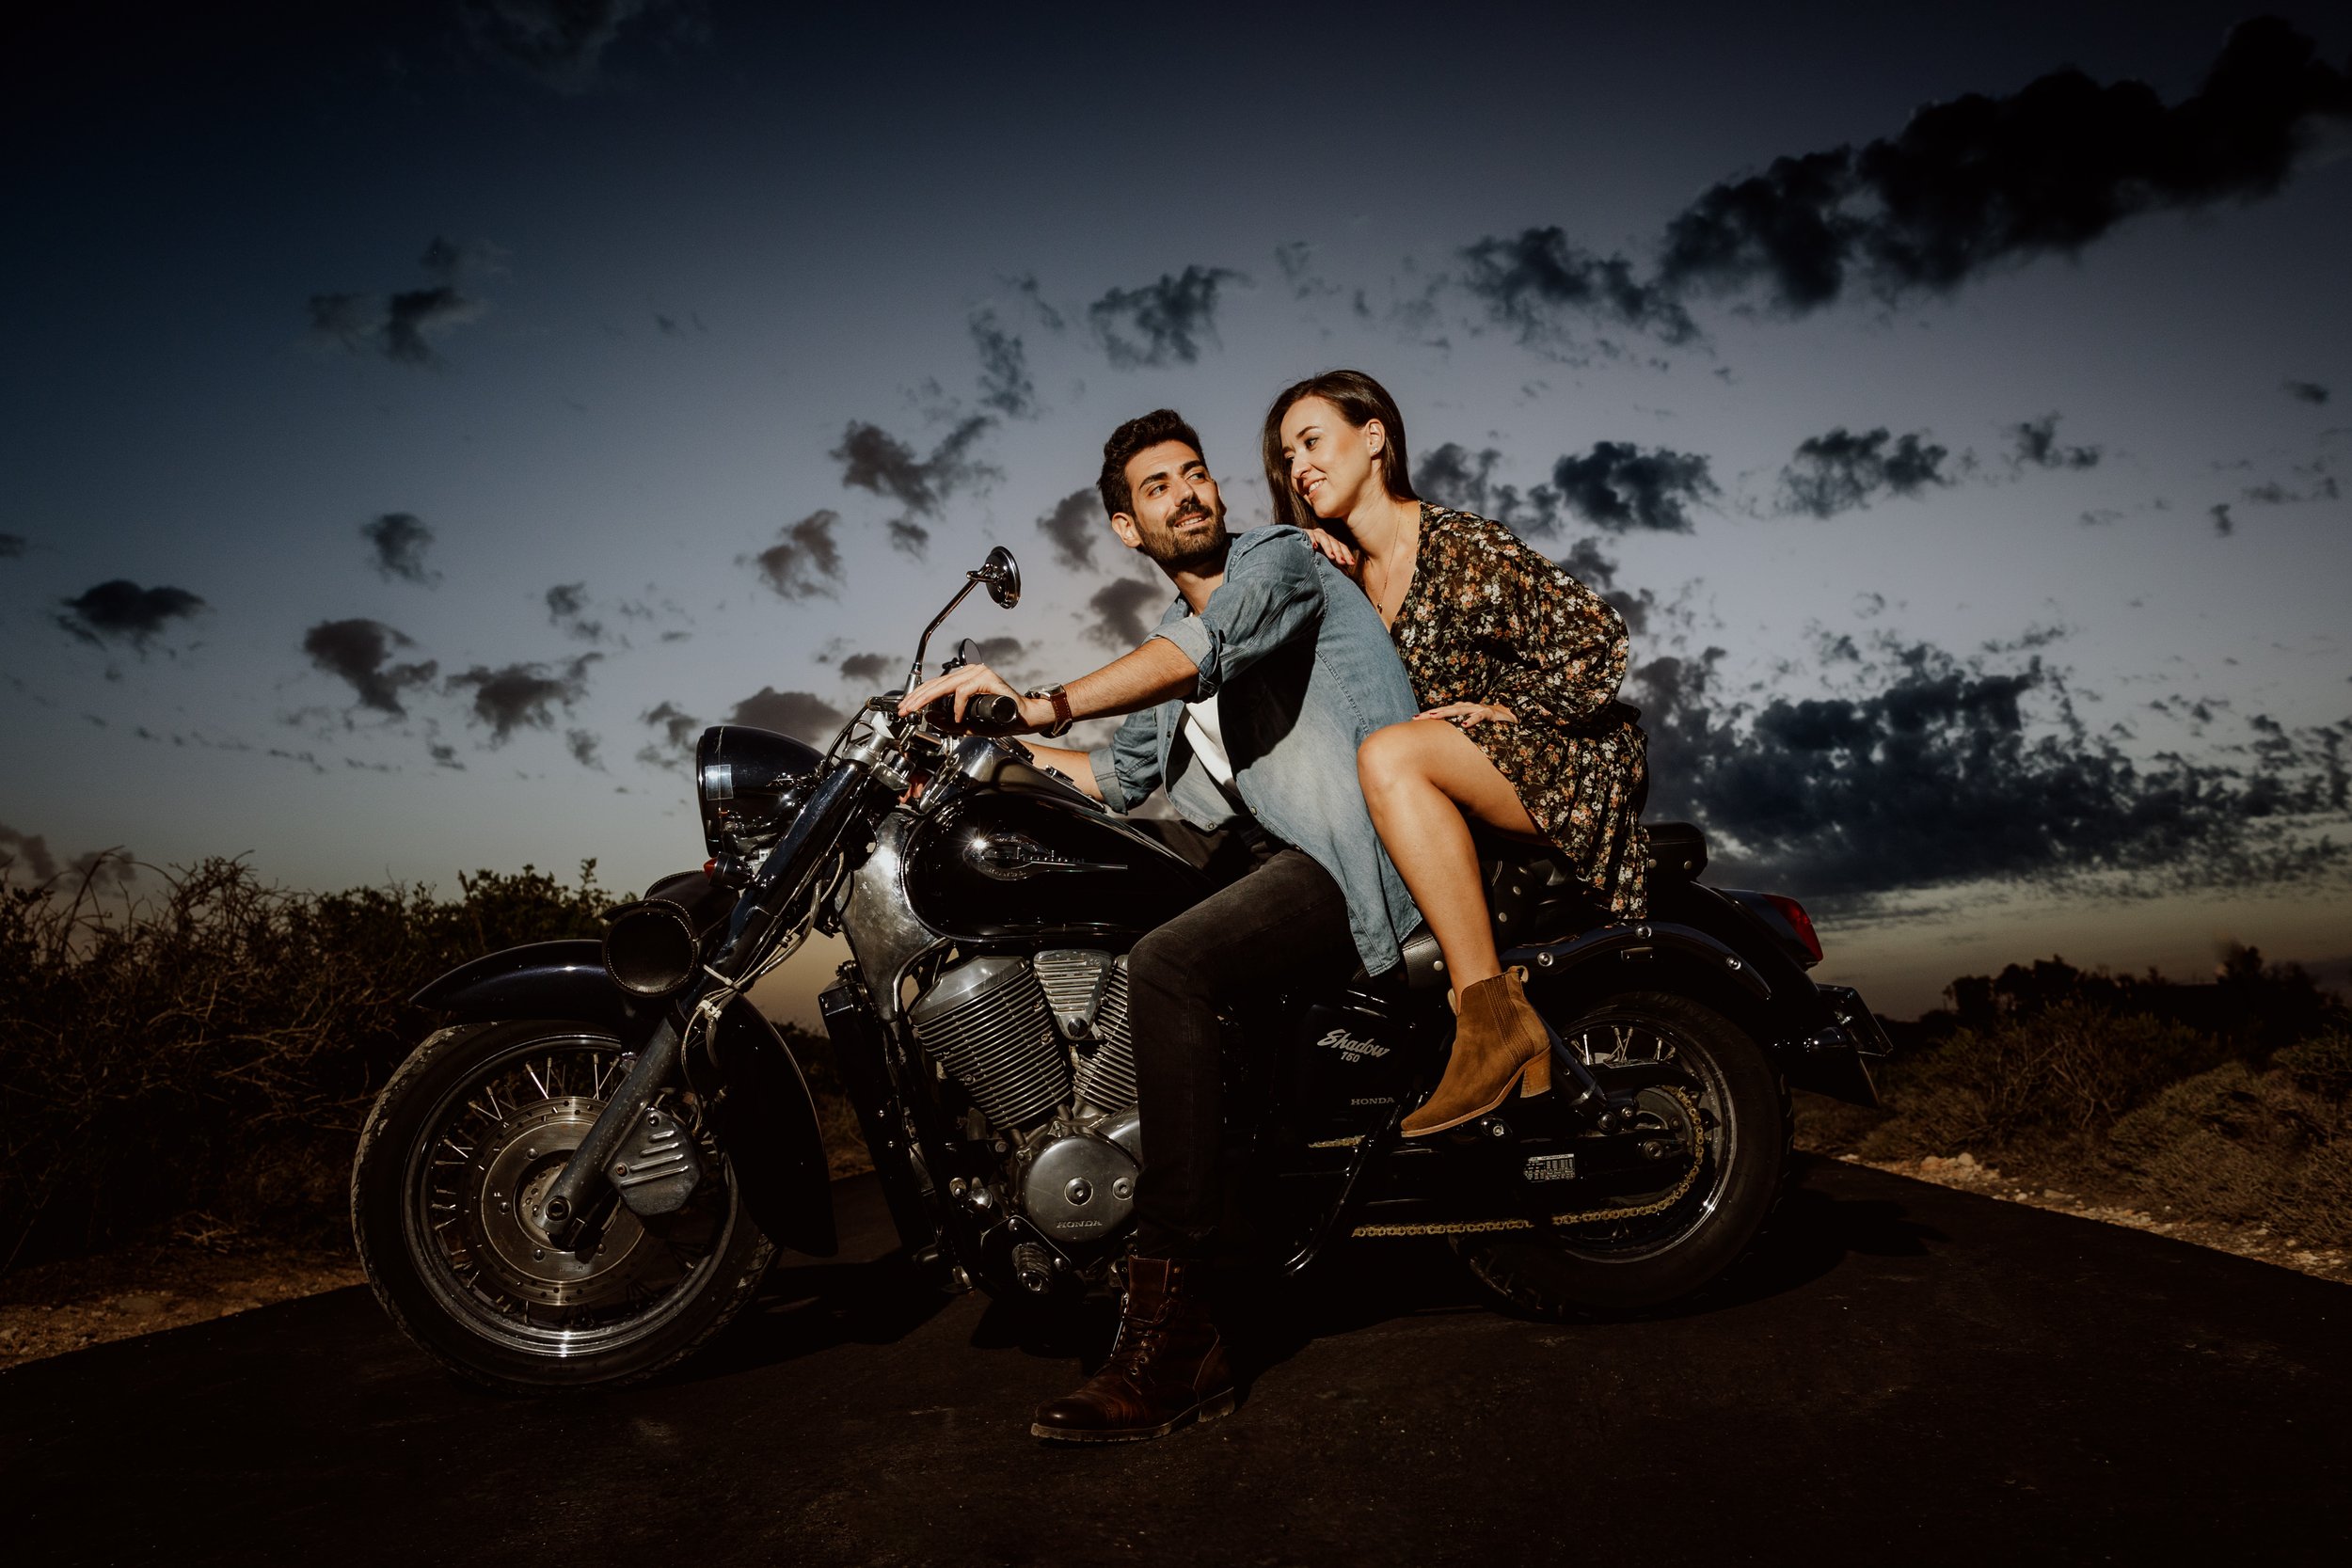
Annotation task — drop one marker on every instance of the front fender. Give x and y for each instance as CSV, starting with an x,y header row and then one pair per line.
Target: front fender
x,y
544,979
766,1119
761,1110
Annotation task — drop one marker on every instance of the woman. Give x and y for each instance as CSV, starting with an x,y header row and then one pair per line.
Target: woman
x,y
1517,665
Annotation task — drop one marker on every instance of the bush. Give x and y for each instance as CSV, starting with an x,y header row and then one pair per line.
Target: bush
x,y
213,1049
2067,1072
2238,1145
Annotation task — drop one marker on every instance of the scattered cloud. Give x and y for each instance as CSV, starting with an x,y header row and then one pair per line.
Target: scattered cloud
x,y
1163,322
562,42
1295,260
2223,524
1528,281
1453,475
1120,608
584,745
1025,287
865,669
2320,486
12,546
1841,470
1942,769
1968,187
909,537
1073,526
362,652
1005,382
805,560
801,714
567,612
873,459
401,325
520,696
1620,487
678,730
2305,391
1980,181
396,545
120,610
29,850
2034,443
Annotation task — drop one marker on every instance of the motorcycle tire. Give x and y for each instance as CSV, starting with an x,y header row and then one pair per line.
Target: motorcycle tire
x,y
1611,1268
468,1131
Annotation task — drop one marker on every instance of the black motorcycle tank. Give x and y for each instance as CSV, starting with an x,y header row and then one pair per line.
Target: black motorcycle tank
x,y
991,865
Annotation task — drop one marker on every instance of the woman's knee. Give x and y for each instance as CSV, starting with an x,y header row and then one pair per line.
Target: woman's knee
x,y
1389,756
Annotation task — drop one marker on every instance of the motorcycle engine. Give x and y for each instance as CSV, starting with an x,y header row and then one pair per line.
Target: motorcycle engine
x,y
1077,1183
1041,1046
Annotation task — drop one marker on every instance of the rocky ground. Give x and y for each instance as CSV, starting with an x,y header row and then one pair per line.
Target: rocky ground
x,y
54,1307
2260,1242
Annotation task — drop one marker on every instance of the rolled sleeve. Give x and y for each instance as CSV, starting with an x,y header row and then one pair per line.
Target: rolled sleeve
x,y
1128,768
1106,778
1270,596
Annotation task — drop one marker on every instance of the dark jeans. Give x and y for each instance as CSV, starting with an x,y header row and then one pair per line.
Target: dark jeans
x,y
1283,917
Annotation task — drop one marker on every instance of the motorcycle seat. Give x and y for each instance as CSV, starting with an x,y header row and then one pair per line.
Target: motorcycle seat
x,y
1532,896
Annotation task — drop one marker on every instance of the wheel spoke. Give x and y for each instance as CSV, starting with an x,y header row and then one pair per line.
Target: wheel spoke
x,y
483,1167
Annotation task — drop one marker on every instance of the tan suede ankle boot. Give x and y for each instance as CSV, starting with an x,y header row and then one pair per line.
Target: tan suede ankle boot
x,y
1497,1041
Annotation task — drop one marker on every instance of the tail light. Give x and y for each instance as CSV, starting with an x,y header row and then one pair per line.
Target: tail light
x,y
1799,922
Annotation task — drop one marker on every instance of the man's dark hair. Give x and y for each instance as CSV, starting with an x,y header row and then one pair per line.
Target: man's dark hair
x,y
1137,435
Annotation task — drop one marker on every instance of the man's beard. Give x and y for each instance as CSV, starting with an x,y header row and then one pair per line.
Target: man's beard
x,y
1174,553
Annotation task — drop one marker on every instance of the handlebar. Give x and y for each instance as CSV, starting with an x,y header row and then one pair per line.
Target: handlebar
x,y
988,713
993,711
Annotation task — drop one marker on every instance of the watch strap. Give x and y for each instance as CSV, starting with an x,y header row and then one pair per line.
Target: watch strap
x,y
1059,696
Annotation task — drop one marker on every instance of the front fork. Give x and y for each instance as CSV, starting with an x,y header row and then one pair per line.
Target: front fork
x,y
565,1205
784,881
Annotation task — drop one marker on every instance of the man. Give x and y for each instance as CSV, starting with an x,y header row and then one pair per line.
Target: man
x,y
1247,703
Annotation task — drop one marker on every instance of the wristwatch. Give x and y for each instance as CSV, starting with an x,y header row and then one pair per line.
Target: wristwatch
x,y
1063,718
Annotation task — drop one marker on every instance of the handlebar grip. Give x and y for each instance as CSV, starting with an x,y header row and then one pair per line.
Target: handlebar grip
x,y
992,710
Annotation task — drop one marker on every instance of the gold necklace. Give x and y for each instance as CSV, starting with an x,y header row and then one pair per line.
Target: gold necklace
x,y
1380,595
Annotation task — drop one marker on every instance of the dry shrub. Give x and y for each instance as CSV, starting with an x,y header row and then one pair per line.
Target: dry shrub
x,y
2238,1145
2062,1075
213,1048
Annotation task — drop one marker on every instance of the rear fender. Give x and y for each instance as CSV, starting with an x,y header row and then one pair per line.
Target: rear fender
x,y
761,1107
1703,945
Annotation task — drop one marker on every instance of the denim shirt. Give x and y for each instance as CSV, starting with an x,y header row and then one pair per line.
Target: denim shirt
x,y
1302,671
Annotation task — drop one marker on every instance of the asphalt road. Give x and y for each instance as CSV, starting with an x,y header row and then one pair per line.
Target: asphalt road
x,y
1909,1375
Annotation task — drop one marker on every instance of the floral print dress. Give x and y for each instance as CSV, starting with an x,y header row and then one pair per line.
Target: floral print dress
x,y
1488,620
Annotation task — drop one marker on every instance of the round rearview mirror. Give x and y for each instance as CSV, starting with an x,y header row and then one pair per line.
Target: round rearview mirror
x,y
1002,574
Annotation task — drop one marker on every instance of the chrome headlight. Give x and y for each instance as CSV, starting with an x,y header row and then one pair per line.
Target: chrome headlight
x,y
749,784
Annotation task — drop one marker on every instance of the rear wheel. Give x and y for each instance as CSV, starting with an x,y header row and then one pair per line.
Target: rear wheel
x,y
1726,1114
455,1158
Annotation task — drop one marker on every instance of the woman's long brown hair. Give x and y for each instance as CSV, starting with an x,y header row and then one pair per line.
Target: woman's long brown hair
x,y
1359,400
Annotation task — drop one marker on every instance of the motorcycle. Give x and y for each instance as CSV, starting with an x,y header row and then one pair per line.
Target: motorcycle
x,y
585,1175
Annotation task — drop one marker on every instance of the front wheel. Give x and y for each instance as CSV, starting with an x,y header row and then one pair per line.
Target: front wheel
x,y
455,1156
1725,1110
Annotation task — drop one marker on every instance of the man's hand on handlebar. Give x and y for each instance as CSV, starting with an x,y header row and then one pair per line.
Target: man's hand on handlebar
x,y
956,691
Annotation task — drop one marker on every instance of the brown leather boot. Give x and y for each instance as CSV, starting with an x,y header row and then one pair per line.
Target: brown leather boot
x,y
1497,1041
1166,1367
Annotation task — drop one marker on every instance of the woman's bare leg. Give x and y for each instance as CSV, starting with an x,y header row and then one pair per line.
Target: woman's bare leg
x,y
1422,780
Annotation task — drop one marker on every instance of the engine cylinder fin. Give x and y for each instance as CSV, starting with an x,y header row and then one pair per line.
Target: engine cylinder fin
x,y
1107,1073
987,1022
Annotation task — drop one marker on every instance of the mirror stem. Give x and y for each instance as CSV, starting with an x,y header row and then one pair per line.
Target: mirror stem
x,y
914,671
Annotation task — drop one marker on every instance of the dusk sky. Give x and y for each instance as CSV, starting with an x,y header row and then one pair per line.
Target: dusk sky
x,y
420,420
